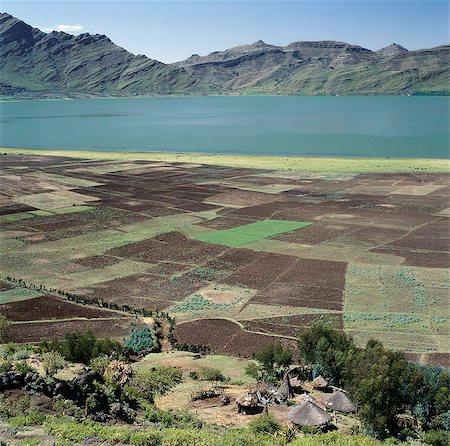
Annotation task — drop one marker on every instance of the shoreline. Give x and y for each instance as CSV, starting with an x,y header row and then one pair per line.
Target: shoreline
x,y
285,163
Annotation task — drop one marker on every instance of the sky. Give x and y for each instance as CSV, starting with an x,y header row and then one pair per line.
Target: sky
x,y
170,31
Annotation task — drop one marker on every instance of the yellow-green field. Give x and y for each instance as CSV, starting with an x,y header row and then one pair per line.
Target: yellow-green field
x,y
370,165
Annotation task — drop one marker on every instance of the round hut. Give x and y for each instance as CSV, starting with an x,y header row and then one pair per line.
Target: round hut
x,y
320,382
308,414
339,401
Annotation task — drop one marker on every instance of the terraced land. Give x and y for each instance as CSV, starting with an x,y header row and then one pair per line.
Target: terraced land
x,y
239,256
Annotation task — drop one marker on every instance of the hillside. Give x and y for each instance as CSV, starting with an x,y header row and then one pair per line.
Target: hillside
x,y
56,63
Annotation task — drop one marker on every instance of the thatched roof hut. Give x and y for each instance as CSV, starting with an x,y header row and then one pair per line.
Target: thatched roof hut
x,y
296,383
339,401
308,414
285,390
320,382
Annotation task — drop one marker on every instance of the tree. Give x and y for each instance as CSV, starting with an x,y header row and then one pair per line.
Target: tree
x,y
274,359
82,346
327,351
4,326
376,381
140,339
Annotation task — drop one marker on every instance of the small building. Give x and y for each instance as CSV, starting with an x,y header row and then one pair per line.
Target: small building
x,y
339,401
320,382
308,414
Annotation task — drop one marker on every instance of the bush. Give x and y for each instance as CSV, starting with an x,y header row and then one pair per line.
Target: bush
x,y
253,370
437,438
33,418
52,362
171,418
264,424
336,439
82,347
4,327
212,374
23,368
5,366
22,353
193,375
100,363
140,339
158,380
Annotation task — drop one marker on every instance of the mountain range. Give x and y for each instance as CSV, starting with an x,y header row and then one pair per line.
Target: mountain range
x,y
39,64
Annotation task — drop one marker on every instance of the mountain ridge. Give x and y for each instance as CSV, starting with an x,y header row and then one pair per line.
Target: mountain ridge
x,y
35,63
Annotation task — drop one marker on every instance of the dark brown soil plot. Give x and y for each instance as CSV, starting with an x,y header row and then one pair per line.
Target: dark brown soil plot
x,y
433,359
97,261
6,286
316,273
316,233
425,259
51,307
176,249
147,287
36,331
300,296
233,259
225,223
15,208
262,272
224,336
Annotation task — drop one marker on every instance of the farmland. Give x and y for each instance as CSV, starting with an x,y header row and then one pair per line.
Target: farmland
x,y
240,256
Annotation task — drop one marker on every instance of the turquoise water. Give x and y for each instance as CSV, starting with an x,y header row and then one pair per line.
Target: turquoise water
x,y
302,126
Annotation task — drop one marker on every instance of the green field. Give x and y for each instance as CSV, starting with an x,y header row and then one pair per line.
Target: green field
x,y
253,232
372,165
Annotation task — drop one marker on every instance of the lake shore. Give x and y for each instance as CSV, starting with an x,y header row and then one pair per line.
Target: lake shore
x,y
312,164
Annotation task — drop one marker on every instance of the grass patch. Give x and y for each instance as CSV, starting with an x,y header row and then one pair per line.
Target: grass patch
x,y
72,209
16,217
293,163
253,232
18,294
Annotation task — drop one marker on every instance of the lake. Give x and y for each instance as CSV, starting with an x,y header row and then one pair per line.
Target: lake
x,y
259,125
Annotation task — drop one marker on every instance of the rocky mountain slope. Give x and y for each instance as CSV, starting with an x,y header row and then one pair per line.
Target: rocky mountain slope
x,y
38,63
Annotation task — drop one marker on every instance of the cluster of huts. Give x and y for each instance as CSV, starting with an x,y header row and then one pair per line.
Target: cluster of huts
x,y
309,411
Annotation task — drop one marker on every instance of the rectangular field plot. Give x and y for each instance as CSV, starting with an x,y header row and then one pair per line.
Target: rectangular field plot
x,y
405,306
17,295
243,235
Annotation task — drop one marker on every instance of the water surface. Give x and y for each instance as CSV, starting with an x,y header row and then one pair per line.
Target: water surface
x,y
295,126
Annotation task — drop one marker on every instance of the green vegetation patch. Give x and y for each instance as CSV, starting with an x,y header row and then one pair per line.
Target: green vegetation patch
x,y
253,232
16,217
72,209
42,213
17,294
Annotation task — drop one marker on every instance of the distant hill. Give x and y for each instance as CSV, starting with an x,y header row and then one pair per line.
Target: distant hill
x,y
35,63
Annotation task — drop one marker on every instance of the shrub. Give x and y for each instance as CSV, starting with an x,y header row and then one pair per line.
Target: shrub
x,y
52,362
23,368
33,418
158,380
4,327
193,375
22,353
437,438
264,424
100,363
140,339
212,374
5,366
82,347
253,370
